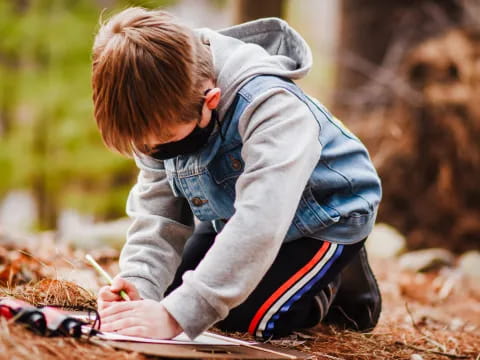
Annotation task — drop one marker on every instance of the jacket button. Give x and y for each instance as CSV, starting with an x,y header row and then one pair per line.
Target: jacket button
x,y
236,164
196,201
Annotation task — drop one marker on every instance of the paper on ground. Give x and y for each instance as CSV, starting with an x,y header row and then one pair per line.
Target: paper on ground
x,y
205,338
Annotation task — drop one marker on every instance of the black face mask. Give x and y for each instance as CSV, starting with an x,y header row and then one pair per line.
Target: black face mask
x,y
188,145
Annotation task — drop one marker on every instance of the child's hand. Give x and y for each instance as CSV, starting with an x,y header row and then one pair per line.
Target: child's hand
x,y
110,294
144,318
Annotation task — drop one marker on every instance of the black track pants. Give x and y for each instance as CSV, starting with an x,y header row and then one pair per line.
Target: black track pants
x,y
286,298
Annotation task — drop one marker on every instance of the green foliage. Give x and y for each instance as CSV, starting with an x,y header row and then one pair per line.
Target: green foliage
x,y
48,137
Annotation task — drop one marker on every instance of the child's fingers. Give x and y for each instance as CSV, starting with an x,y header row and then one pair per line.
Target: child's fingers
x,y
106,294
117,308
122,284
141,331
111,317
102,305
106,297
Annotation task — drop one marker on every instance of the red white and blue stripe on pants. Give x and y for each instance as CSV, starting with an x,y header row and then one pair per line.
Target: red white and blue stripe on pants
x,y
293,289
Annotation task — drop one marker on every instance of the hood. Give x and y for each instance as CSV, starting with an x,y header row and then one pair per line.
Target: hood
x,y
261,47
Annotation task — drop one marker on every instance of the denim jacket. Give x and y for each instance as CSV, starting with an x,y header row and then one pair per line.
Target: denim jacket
x,y
340,201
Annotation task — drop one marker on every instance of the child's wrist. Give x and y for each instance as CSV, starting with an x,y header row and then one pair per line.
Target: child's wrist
x,y
173,323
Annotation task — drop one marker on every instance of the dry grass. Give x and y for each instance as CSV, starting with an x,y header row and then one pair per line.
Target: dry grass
x,y
53,292
16,342
423,314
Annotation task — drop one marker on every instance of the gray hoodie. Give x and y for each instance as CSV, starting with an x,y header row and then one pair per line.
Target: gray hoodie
x,y
249,242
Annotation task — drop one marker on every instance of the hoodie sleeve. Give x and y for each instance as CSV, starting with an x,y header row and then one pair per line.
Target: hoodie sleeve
x,y
155,240
280,151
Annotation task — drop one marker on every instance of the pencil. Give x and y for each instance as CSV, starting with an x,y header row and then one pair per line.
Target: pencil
x,y
105,275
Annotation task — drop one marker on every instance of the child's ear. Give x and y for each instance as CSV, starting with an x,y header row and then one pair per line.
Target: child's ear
x,y
213,98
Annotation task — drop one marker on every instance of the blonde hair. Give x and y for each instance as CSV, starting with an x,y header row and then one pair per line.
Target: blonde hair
x,y
147,74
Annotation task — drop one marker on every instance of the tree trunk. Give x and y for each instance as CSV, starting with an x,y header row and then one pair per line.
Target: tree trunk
x,y
45,199
360,35
10,62
6,110
247,10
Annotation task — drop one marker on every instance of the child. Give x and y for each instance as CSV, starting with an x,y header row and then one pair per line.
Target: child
x,y
284,194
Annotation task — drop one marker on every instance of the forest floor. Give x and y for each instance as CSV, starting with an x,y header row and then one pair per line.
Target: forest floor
x,y
433,315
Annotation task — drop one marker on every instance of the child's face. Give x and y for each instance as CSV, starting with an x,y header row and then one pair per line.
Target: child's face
x,y
190,133
178,131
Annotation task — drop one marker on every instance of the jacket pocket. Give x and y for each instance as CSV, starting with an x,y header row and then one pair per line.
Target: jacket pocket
x,y
226,167
311,217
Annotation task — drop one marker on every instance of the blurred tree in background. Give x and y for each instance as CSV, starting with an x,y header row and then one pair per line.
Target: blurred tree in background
x,y
48,137
409,83
247,10
376,34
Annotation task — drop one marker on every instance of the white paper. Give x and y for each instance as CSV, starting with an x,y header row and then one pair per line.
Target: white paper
x,y
205,338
